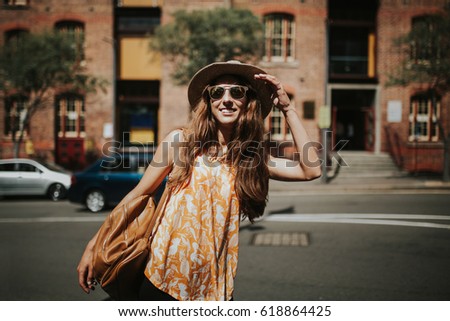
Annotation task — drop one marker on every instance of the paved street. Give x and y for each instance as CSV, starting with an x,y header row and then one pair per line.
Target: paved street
x,y
311,247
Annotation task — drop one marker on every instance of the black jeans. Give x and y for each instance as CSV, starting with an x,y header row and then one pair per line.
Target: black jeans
x,y
149,292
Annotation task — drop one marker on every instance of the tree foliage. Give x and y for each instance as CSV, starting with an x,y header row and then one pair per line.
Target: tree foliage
x,y
425,54
197,38
33,65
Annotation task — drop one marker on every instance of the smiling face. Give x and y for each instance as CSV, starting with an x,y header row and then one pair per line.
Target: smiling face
x,y
226,109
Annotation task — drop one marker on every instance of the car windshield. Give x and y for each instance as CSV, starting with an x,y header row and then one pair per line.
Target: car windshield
x,y
125,163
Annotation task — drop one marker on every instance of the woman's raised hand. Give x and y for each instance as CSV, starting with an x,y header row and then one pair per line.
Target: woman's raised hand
x,y
280,97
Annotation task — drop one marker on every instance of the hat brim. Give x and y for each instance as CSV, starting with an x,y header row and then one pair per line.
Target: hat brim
x,y
208,74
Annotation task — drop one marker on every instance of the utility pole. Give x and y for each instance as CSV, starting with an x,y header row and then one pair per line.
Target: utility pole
x,y
325,111
324,125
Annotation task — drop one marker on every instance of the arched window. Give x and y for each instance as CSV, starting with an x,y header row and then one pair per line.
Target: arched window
x,y
70,116
74,29
13,35
426,43
70,26
279,44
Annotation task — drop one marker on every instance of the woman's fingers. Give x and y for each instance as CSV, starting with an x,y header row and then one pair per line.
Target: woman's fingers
x,y
86,278
82,278
281,99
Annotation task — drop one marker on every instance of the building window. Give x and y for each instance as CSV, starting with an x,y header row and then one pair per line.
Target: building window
x,y
423,116
279,129
427,48
14,35
75,30
137,21
279,41
15,3
70,116
15,108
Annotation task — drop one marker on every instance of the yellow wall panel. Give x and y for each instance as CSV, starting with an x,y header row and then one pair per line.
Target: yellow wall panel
x,y
141,3
371,55
143,136
137,62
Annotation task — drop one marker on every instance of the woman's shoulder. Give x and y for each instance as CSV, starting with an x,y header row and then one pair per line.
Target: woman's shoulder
x,y
177,135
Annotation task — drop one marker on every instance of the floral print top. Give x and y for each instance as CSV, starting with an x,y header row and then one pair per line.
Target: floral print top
x,y
195,249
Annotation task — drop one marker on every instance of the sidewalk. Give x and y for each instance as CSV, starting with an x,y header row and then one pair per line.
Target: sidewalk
x,y
339,185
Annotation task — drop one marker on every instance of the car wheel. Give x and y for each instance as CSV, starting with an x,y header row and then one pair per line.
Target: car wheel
x,y
56,192
95,201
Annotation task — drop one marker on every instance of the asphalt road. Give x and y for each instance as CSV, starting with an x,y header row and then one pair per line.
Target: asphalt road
x,y
352,247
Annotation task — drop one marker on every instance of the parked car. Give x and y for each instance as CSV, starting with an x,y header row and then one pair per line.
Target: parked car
x,y
21,176
108,180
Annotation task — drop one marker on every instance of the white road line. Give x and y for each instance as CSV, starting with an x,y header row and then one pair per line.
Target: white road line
x,y
369,216
360,192
370,219
80,219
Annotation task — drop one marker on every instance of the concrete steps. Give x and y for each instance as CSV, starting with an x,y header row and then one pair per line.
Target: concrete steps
x,y
362,164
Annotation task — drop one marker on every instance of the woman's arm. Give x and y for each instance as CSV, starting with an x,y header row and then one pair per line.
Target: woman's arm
x,y
308,166
159,168
154,175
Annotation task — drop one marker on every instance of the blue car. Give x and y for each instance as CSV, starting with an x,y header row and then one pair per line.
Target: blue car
x,y
108,180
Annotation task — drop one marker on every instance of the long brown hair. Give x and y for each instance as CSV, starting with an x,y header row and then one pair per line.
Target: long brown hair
x,y
246,153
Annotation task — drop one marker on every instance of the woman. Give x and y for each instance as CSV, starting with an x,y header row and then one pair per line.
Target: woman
x,y
218,173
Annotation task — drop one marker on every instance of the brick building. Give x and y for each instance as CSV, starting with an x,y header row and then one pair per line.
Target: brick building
x,y
70,127
334,53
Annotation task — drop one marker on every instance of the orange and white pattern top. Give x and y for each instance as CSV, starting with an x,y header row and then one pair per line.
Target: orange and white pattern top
x,y
195,249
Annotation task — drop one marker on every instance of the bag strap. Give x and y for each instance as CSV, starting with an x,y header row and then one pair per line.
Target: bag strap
x,y
161,207
158,214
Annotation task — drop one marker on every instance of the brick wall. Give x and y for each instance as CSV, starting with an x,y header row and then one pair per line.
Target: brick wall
x,y
98,20
394,20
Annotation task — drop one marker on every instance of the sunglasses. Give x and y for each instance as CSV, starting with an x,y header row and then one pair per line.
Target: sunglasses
x,y
236,91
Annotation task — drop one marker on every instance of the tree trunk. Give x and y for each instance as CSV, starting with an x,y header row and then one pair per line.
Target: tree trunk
x,y
445,138
446,172
16,149
22,126
17,143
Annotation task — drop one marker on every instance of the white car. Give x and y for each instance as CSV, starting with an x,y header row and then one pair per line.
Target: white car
x,y
21,176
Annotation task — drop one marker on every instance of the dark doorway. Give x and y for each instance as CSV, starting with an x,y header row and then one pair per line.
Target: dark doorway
x,y
353,119
137,110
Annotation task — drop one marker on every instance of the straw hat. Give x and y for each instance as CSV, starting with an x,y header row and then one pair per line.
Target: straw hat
x,y
208,74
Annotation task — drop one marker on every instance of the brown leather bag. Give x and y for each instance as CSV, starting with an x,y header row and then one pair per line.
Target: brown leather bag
x,y
122,248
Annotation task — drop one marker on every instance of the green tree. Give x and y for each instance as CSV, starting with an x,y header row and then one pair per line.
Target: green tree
x,y
33,65
197,38
426,64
